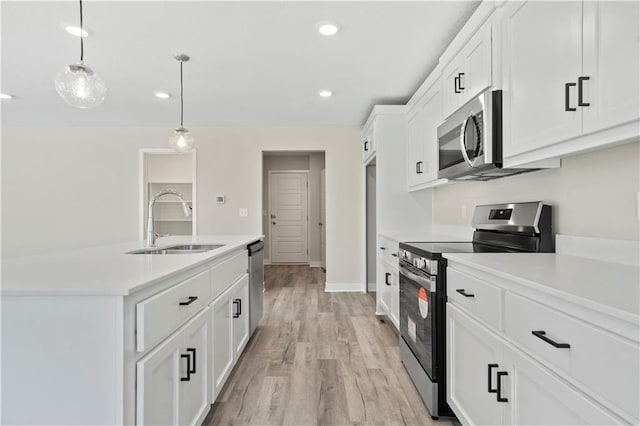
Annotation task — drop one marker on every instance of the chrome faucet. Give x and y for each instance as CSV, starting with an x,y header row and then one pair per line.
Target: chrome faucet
x,y
151,235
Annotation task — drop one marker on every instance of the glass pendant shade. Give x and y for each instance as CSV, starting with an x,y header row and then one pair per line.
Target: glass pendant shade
x,y
181,140
80,87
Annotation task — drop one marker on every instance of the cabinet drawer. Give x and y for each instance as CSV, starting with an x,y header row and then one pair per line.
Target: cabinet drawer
x,y
388,250
161,314
603,364
228,272
482,299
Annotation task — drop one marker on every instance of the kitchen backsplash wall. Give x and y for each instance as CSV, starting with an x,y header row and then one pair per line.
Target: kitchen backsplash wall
x,y
593,194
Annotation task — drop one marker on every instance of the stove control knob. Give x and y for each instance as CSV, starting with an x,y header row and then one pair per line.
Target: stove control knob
x,y
419,262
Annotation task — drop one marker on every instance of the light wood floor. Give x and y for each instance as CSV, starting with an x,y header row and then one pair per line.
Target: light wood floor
x,y
318,359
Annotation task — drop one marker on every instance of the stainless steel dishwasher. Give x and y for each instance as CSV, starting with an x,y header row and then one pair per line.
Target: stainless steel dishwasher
x,y
256,283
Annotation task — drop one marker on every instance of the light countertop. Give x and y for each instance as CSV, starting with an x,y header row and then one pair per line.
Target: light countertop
x,y
421,236
108,270
609,287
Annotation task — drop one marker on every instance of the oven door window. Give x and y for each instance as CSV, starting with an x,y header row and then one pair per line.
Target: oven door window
x,y
417,325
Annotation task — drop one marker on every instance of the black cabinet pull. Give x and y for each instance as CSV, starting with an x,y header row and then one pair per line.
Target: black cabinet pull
x,y
460,75
193,353
541,335
383,248
455,84
419,164
489,368
191,300
462,292
238,304
386,278
366,145
580,101
188,378
499,397
394,254
567,92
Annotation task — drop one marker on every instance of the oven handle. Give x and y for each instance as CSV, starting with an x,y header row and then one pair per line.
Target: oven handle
x,y
429,283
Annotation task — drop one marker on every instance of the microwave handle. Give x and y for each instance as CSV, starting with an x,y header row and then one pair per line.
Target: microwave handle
x,y
463,147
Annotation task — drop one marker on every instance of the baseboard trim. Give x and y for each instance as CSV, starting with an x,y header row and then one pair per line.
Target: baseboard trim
x,y
266,262
344,287
371,287
315,264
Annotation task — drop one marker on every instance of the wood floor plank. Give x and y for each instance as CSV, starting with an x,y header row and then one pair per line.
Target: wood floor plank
x,y
318,359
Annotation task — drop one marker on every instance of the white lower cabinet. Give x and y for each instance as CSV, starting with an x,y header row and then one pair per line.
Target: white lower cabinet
x,y
492,383
172,379
390,292
471,350
532,363
230,331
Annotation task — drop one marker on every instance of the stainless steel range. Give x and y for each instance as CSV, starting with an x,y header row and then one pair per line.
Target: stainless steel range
x,y
517,227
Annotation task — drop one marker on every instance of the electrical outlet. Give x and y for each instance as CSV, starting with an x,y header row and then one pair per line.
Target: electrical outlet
x,y
243,212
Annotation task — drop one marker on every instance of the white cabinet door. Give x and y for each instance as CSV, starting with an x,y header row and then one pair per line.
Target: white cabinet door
x,y
394,289
432,116
221,341
543,52
195,393
473,358
158,384
452,96
611,62
240,302
415,144
535,397
385,287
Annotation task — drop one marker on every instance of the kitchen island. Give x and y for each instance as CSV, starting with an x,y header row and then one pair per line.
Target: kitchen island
x,y
100,336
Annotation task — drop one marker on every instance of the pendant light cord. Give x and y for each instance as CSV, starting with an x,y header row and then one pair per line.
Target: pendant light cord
x,y
181,98
81,35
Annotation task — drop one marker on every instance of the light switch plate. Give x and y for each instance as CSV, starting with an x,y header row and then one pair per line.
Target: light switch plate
x,y
221,199
243,212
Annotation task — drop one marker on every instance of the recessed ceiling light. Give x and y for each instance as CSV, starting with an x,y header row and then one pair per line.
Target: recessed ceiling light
x,y
76,31
162,95
5,96
327,28
325,93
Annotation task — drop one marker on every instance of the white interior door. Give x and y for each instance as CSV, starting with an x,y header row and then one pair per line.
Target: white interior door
x,y
289,217
323,220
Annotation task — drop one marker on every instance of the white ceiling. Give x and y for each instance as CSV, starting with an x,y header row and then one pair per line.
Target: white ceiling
x,y
253,63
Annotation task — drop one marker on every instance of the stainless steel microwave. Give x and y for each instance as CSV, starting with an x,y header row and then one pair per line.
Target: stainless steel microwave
x,y
470,141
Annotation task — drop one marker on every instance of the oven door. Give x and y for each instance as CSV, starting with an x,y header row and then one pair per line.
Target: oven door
x,y
417,315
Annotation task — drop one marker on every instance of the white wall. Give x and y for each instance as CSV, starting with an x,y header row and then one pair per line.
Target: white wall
x,y
76,187
594,194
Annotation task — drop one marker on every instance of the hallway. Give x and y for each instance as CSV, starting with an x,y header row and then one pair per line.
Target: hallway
x,y
318,359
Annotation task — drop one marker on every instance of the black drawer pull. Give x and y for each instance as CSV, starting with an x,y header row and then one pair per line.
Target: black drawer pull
x,y
489,388
394,254
366,145
191,300
462,292
580,101
386,278
193,352
499,397
455,84
238,304
567,92
542,335
383,248
188,378
460,75
419,164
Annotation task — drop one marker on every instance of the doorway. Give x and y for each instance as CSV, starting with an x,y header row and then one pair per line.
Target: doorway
x,y
162,169
293,203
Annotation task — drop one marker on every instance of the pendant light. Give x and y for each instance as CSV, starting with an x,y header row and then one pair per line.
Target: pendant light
x,y
77,84
181,140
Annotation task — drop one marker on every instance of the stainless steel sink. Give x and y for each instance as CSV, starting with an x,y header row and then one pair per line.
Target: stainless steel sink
x,y
178,249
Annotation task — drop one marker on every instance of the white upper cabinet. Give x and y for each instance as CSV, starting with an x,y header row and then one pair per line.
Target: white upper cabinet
x,y
423,120
470,71
611,62
570,69
368,142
